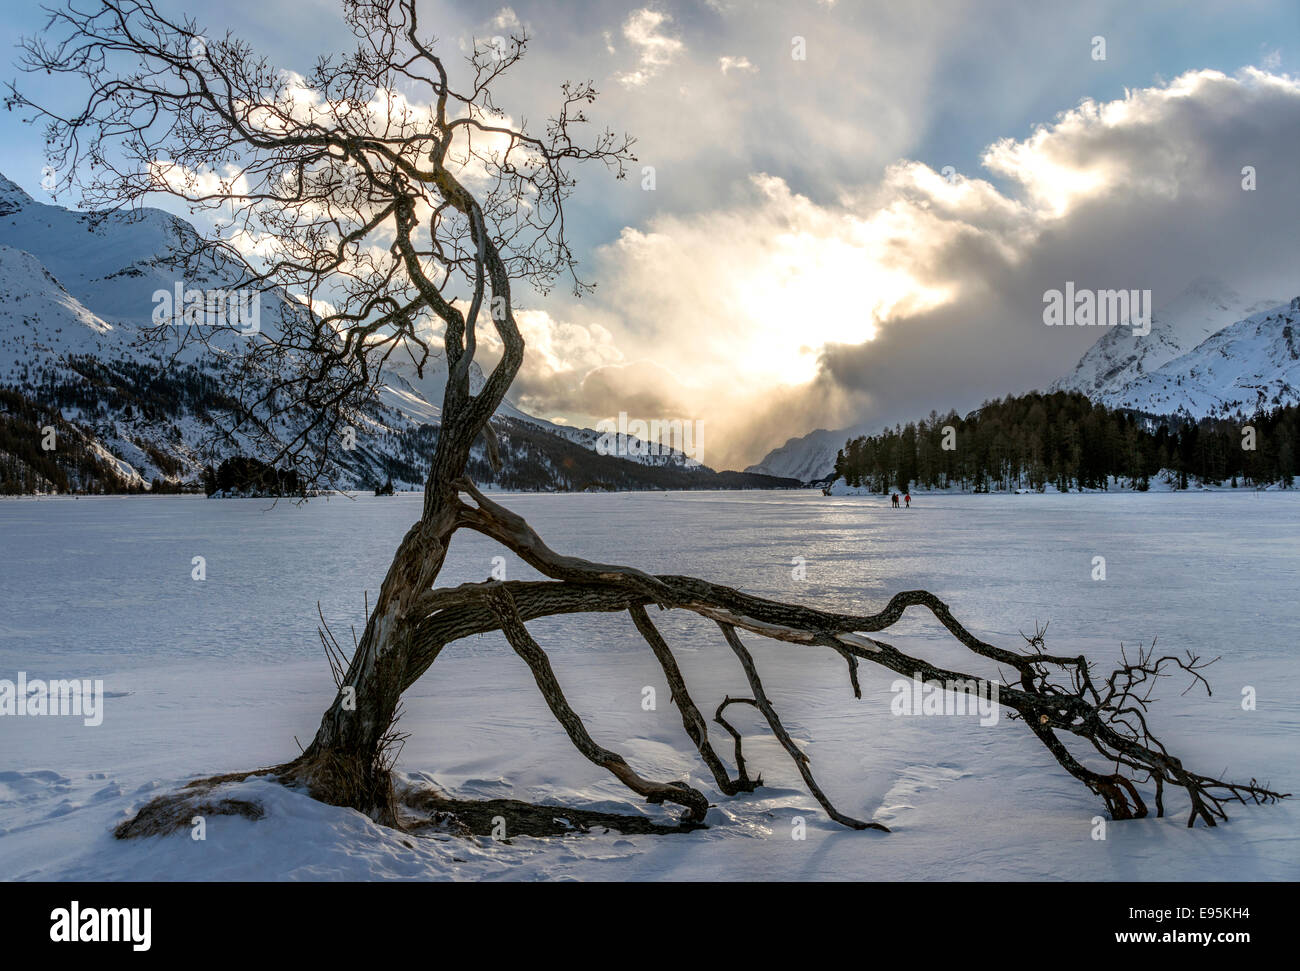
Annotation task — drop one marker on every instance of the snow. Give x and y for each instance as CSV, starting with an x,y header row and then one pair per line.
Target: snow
x,y
82,284
1251,364
1122,355
223,674
40,322
807,458
1210,351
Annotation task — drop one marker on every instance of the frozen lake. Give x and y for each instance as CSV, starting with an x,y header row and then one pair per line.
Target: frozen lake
x,y
222,674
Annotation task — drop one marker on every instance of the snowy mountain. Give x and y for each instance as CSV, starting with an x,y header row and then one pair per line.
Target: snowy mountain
x,y
1210,352
1122,355
44,322
77,289
76,292
808,458
1247,366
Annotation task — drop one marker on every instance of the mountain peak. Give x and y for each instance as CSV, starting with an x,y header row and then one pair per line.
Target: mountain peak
x,y
1120,356
1252,363
12,197
1205,296
1209,287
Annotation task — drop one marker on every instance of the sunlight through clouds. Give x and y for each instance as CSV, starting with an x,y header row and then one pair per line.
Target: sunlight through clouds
x,y
742,299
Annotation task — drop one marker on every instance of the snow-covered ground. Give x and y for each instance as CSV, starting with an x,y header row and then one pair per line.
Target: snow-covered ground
x,y
222,674
1166,480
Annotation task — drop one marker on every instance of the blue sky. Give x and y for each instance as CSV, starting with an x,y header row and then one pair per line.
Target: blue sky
x,y
767,166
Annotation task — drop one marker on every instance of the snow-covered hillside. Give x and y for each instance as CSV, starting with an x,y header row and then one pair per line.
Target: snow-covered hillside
x,y
808,458
40,322
77,291
1250,365
1123,355
1210,351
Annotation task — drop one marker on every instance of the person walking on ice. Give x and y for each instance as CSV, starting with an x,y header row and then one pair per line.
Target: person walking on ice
x,y
894,499
908,499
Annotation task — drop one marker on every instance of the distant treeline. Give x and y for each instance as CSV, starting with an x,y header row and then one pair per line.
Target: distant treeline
x,y
27,467
147,403
121,388
241,475
534,460
1064,440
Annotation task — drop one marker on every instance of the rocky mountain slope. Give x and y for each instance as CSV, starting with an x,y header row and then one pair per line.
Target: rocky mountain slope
x,y
77,290
1122,355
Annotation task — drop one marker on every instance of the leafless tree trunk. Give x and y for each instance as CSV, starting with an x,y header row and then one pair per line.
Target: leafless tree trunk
x,y
371,212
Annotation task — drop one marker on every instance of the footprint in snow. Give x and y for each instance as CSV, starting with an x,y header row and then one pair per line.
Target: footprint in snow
x,y
18,787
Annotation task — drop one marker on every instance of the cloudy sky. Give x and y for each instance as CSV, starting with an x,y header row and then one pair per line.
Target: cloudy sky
x,y
865,234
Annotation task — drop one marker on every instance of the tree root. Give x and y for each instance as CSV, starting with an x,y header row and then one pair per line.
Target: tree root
x,y
481,817
735,735
345,779
176,811
696,728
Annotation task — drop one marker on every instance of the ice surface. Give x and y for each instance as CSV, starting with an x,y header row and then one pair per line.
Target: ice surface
x,y
222,674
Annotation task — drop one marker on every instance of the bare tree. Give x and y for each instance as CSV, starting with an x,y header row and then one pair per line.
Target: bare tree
x,y
387,197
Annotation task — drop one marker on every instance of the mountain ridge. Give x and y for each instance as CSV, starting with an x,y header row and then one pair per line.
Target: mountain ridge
x,y
1210,353
76,293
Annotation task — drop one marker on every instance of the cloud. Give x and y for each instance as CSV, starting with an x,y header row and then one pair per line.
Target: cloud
x,y
505,19
774,314
561,356
804,260
655,49
741,64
